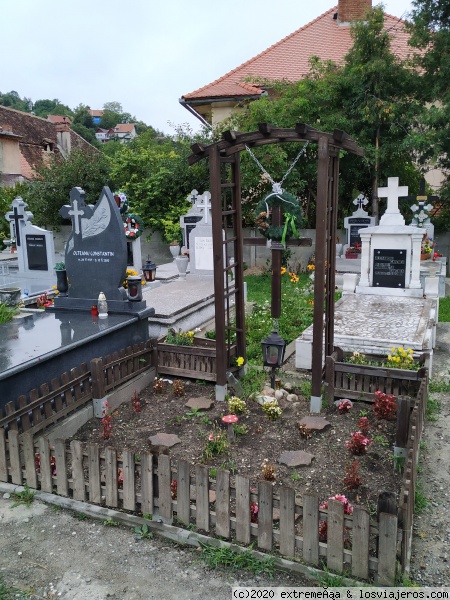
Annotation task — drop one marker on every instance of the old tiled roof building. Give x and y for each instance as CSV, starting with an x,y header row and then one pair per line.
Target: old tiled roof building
x,y
327,37
27,141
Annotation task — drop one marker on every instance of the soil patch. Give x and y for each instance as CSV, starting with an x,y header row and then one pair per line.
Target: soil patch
x,y
263,442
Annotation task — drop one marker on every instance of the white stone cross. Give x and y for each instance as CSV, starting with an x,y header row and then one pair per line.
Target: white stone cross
x,y
18,215
76,212
203,201
392,192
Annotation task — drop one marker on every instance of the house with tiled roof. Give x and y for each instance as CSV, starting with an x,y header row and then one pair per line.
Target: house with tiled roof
x,y
125,132
327,37
27,141
96,116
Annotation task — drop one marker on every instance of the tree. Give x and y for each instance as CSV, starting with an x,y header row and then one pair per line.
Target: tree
x,y
156,177
430,30
43,108
13,100
370,97
51,188
83,116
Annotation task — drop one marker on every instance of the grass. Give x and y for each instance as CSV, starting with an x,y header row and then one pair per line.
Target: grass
x,y
24,497
444,309
438,385
227,558
420,500
252,382
433,409
296,311
11,593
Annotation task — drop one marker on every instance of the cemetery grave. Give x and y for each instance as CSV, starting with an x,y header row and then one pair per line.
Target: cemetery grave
x,y
320,466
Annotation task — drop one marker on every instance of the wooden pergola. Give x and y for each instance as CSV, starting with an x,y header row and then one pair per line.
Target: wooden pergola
x,y
228,241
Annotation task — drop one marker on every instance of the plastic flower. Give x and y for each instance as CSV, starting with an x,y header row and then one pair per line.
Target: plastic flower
x,y
240,361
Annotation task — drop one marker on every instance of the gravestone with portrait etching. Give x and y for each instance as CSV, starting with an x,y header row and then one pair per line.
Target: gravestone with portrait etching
x,y
96,255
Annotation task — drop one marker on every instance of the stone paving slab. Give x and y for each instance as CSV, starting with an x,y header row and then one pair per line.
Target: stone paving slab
x,y
165,440
200,403
295,458
314,423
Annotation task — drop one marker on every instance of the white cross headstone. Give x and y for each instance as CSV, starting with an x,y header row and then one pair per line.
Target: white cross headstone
x,y
203,202
18,218
392,192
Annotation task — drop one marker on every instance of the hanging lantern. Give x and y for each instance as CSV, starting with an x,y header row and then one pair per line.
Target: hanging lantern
x,y
273,348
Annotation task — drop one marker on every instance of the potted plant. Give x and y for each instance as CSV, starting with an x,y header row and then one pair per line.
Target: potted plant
x,y
62,283
172,235
426,248
353,251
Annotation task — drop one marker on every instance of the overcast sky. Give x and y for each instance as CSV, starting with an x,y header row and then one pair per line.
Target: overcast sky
x,y
144,54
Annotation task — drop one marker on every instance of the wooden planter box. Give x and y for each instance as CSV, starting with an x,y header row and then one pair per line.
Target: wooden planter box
x,y
360,382
197,361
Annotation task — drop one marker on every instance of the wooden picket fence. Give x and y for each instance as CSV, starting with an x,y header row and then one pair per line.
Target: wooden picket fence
x,y
145,485
64,395
360,382
408,489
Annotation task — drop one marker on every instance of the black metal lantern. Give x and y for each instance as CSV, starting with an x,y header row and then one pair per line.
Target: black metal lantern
x,y
149,270
273,348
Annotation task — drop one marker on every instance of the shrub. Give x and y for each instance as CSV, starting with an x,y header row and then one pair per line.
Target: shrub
x,y
358,444
268,471
348,510
179,338
236,406
357,359
344,406
216,443
159,385
385,407
272,409
352,479
363,425
178,388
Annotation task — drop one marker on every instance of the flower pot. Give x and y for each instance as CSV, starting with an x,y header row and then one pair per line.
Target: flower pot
x,y
352,255
62,283
426,256
174,250
182,265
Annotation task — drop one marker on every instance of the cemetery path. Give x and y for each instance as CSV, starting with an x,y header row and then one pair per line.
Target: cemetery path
x,y
430,561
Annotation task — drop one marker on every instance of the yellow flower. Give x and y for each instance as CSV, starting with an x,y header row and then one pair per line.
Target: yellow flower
x,y
239,361
311,267
393,349
283,270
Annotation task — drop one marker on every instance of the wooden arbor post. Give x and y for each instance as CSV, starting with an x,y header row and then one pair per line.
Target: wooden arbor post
x,y
226,214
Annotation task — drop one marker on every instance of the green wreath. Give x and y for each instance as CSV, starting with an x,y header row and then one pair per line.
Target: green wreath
x,y
293,217
133,226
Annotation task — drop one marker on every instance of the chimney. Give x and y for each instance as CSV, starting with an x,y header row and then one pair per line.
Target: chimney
x,y
63,138
350,11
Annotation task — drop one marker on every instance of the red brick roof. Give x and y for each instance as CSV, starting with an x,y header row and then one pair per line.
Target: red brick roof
x,y
96,113
288,59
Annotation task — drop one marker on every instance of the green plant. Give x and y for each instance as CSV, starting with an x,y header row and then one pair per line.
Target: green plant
x,y
296,476
329,580
216,444
226,557
363,413
109,522
211,334
433,409
179,338
444,309
11,593
229,465
399,463
193,413
236,406
252,382
305,388
401,359
205,420
272,409
213,472
80,516
438,385
420,500
60,266
380,439
357,359
7,313
25,496
143,532
240,429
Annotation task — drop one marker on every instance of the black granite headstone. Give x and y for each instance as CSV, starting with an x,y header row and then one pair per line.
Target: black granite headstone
x,y
389,268
355,224
36,252
190,223
96,251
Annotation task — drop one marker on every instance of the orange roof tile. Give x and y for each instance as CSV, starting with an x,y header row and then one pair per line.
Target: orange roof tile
x,y
124,127
288,59
59,119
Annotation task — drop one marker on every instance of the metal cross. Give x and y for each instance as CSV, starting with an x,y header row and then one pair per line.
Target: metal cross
x,y
422,198
193,197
